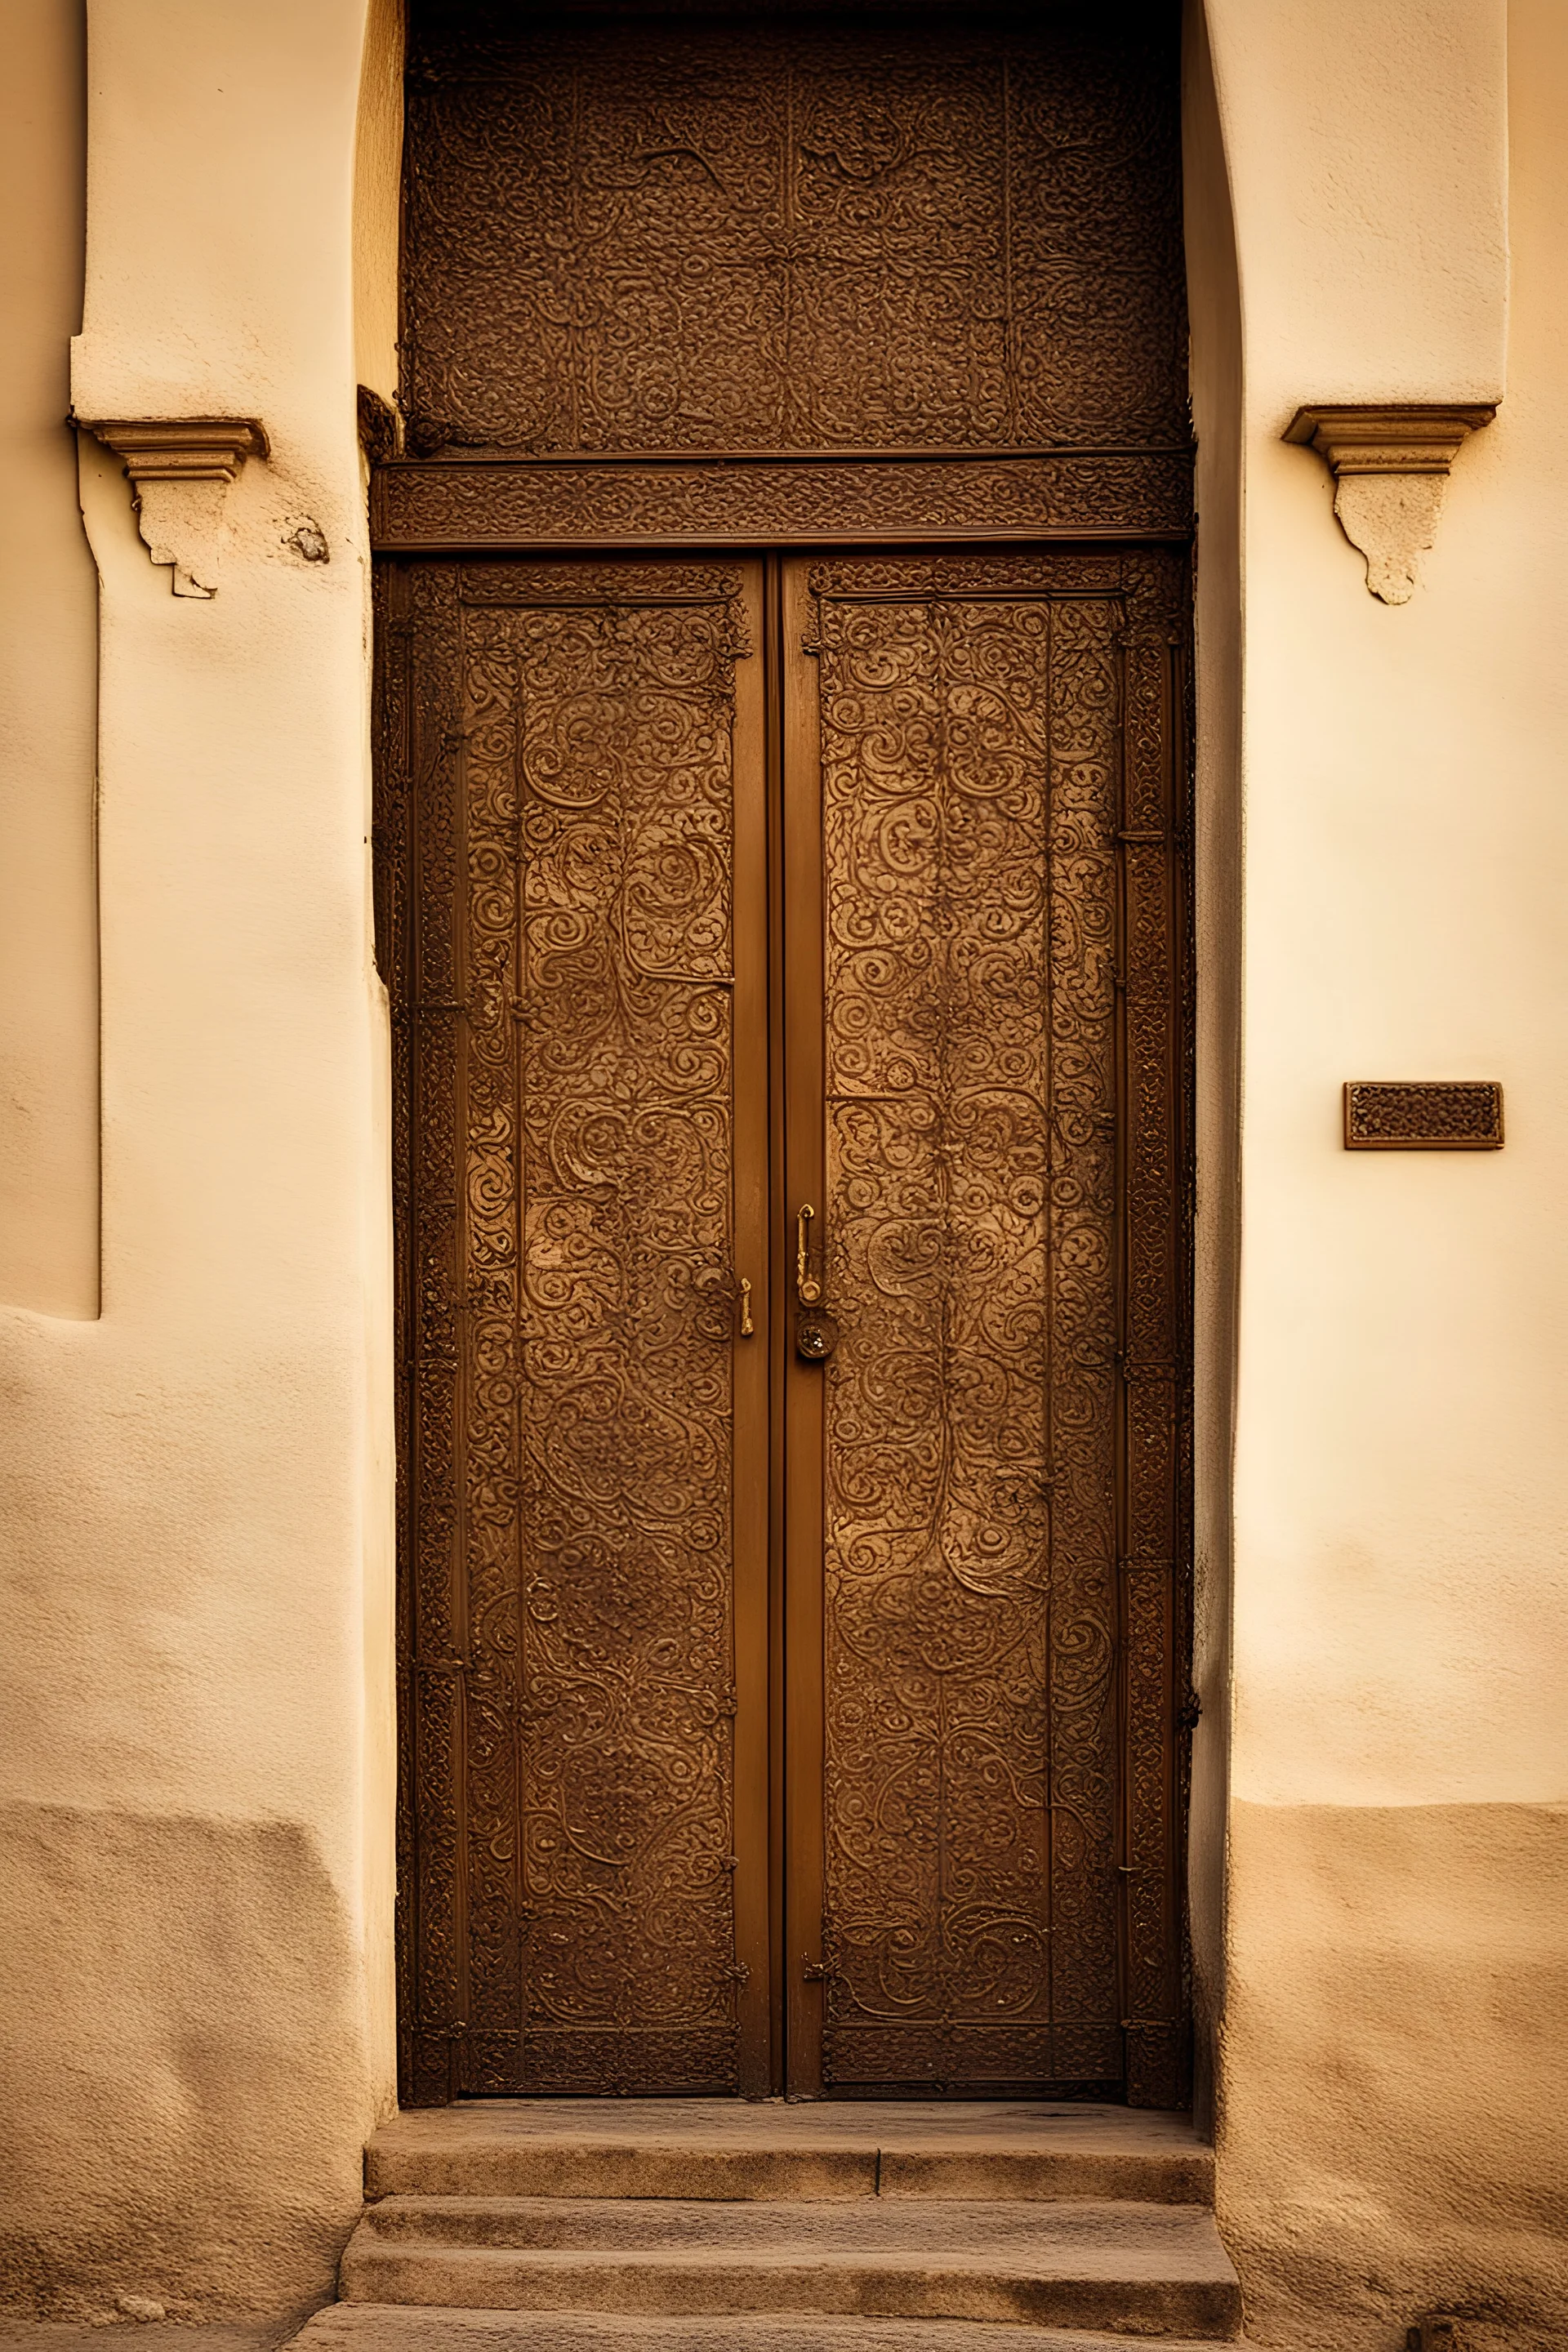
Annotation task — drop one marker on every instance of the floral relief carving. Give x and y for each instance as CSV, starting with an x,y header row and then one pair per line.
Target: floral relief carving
x,y
849,242
569,1208
970,782
431,508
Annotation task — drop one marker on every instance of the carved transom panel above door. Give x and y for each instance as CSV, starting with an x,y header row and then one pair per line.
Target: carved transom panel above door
x,y
816,240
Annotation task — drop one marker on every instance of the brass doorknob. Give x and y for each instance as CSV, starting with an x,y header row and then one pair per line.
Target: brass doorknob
x,y
816,1337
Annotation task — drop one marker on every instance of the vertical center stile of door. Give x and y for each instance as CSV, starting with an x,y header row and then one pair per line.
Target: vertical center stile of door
x,y
772,652
1048,980
462,1642
526,1946
1123,1856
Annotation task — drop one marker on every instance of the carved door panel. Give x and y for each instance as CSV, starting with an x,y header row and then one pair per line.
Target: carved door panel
x,y
983,1112
573,865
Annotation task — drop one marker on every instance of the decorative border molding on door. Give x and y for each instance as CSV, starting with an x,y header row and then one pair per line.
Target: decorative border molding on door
x,y
778,499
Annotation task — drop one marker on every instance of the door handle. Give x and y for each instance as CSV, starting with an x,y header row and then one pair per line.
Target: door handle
x,y
807,1290
747,1325
815,1332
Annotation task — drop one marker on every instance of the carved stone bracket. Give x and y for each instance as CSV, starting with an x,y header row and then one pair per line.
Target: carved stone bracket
x,y
1389,465
180,469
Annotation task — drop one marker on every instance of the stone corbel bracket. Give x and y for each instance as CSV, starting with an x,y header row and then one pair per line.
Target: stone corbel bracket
x,y
1389,465
180,469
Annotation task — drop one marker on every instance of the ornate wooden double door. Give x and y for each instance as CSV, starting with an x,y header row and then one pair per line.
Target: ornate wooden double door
x,y
787,961
780,845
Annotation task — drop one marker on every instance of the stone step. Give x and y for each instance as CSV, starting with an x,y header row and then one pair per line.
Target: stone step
x,y
629,2224
732,2149
379,2327
1132,2268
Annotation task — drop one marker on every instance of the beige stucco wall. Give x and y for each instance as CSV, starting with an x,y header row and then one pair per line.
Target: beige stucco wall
x,y
1392,2070
195,1812
48,948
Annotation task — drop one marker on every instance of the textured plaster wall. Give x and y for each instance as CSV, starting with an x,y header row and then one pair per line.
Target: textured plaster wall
x,y
48,948
1391,2069
195,1807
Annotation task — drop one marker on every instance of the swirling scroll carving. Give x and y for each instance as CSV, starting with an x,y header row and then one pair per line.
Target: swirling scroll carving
x,y
626,1070
969,775
569,1203
426,509
831,239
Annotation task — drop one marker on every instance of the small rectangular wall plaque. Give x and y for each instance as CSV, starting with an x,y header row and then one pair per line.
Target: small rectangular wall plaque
x,y
1423,1115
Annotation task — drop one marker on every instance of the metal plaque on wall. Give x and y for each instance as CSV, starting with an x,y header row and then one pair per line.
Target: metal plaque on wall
x,y
1423,1115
